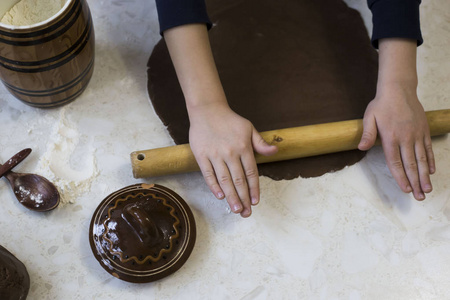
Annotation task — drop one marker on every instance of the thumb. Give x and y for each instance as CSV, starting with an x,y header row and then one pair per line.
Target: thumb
x,y
261,146
369,135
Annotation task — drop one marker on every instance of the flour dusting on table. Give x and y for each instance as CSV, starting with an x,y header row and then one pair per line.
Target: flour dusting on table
x,y
73,178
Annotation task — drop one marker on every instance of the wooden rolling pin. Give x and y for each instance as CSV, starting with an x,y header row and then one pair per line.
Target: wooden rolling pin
x,y
292,143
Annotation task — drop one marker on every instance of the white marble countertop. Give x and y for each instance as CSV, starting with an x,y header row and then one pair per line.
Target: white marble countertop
x,y
347,235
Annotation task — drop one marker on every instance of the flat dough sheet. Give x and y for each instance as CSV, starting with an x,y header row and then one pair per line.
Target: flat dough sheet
x,y
283,63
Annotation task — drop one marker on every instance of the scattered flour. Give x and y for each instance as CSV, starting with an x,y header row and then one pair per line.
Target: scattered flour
x,y
71,181
29,12
25,193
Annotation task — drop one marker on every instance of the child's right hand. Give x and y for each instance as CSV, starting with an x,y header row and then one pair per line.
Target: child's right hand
x,y
223,143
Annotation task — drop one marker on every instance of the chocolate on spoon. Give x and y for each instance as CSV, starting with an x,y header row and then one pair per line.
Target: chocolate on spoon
x,y
33,191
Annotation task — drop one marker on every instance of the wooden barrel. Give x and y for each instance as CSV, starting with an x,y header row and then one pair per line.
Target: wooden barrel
x,y
50,63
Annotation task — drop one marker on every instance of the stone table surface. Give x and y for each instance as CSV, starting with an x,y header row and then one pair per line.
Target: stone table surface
x,y
351,234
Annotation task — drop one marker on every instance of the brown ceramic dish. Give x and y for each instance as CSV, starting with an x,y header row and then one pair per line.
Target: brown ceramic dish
x,y
14,278
50,63
142,233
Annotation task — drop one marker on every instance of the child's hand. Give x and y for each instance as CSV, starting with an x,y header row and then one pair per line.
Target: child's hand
x,y
399,119
223,144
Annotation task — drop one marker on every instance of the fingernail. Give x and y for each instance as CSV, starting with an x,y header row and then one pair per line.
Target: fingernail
x,y
421,196
428,188
408,189
255,201
220,194
246,213
236,208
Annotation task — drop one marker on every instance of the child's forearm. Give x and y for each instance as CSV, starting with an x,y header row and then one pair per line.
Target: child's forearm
x,y
397,64
194,63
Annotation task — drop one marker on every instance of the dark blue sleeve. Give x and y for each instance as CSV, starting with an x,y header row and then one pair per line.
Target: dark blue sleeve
x,y
172,13
395,18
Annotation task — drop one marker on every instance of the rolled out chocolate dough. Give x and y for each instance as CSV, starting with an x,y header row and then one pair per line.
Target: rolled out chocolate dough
x,y
14,278
282,64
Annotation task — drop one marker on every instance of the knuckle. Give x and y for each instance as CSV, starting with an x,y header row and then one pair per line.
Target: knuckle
x,y
411,166
390,138
227,152
239,149
239,181
209,176
390,143
367,135
422,159
410,139
233,151
223,180
252,173
241,146
397,164
205,154
261,141
406,140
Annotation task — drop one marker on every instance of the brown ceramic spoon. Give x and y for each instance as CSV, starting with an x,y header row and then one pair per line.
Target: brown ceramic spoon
x,y
33,191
